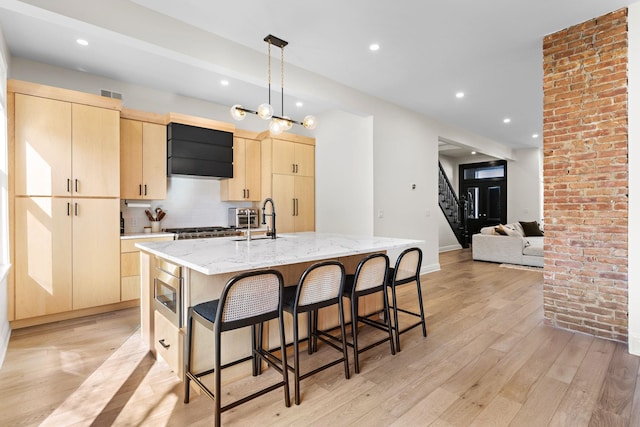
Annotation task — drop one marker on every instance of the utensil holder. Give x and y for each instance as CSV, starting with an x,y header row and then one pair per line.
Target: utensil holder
x,y
155,226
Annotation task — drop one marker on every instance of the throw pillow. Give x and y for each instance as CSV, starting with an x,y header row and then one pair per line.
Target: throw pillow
x,y
531,228
500,230
507,231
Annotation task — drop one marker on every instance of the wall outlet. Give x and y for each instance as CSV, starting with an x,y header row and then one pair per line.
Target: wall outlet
x,y
380,213
134,222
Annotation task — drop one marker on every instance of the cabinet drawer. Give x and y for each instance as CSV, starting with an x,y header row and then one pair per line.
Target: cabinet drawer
x,y
129,288
168,343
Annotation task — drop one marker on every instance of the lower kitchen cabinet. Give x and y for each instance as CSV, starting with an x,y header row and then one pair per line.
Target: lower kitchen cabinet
x,y
67,254
130,266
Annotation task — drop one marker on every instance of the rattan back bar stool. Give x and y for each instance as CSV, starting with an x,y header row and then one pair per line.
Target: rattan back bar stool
x,y
321,285
406,271
370,278
247,300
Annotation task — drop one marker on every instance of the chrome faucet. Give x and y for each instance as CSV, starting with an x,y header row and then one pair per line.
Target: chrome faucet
x,y
271,233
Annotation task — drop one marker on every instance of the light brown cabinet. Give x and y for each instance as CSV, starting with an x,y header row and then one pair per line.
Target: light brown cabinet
x,y
288,164
292,158
245,184
65,149
65,243
66,250
143,160
130,266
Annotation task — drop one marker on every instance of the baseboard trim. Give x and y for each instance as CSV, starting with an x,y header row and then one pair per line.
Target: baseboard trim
x,y
634,345
449,248
426,269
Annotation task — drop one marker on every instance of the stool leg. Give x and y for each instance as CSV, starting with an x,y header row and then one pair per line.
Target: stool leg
x,y
343,334
187,380
254,351
217,379
424,324
285,368
296,359
387,320
354,333
396,326
309,333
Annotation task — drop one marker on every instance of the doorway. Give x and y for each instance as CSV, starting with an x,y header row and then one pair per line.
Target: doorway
x,y
484,186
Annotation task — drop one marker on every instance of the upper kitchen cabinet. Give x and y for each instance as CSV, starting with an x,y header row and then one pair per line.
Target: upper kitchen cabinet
x,y
143,156
293,158
64,148
245,184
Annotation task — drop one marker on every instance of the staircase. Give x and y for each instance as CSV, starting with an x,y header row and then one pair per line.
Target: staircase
x,y
454,209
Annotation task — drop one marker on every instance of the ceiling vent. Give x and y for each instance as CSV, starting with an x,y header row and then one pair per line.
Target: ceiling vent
x,y
111,94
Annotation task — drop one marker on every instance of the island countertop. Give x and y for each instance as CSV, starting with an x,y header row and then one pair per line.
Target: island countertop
x,y
228,255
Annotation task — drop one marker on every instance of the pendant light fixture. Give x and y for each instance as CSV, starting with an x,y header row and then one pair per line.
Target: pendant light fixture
x,y
265,111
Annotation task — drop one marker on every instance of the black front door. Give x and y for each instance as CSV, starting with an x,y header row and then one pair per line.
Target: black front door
x,y
484,185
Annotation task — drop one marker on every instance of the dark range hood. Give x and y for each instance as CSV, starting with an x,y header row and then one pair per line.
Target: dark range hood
x,y
197,151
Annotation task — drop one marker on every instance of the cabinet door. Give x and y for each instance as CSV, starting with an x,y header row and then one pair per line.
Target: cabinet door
x,y
304,218
284,199
43,275
130,159
42,146
96,252
95,152
305,159
235,187
253,169
154,161
283,161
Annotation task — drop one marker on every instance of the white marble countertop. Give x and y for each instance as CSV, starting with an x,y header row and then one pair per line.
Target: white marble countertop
x,y
145,235
227,255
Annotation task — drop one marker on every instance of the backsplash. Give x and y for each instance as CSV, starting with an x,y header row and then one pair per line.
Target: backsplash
x,y
190,202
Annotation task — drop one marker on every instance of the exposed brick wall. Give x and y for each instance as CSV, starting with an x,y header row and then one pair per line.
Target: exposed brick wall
x,y
586,177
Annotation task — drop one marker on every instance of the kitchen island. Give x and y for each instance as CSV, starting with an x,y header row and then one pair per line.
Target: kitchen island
x,y
207,264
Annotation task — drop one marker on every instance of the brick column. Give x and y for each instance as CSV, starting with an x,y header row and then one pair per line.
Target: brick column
x,y
586,177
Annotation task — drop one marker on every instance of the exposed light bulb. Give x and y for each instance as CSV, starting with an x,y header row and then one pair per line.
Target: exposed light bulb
x,y
237,114
265,111
285,123
275,127
310,122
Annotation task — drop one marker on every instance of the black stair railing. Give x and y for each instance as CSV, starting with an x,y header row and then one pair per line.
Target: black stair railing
x,y
454,209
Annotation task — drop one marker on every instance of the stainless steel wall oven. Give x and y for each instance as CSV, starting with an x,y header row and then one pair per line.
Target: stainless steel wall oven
x,y
168,291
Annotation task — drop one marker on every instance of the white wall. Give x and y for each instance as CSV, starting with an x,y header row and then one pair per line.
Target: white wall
x,y
5,331
524,186
634,178
344,174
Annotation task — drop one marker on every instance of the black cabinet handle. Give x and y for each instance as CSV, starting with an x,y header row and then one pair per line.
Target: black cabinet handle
x,y
140,190
68,185
145,189
247,193
76,185
162,343
68,209
75,209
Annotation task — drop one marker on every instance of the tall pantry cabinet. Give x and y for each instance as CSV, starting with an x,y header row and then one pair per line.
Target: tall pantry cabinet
x,y
65,201
288,177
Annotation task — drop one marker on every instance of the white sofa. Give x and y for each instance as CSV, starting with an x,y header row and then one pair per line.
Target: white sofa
x,y
514,248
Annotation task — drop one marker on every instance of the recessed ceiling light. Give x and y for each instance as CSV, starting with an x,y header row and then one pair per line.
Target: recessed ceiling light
x,y
374,47
535,135
82,42
507,120
473,152
299,104
460,95
224,82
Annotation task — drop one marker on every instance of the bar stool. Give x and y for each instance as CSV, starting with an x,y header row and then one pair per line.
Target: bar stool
x,y
370,278
320,286
407,270
248,299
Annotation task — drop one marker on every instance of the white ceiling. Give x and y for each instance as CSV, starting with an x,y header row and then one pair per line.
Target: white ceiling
x,y
491,50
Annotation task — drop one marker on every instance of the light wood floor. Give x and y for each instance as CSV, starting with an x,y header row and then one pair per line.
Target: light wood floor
x,y
488,361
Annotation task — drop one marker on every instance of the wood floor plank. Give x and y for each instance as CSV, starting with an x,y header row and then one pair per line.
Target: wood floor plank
x,y
488,361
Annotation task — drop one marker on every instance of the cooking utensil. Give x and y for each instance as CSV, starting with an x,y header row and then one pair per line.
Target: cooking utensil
x,y
149,215
161,215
